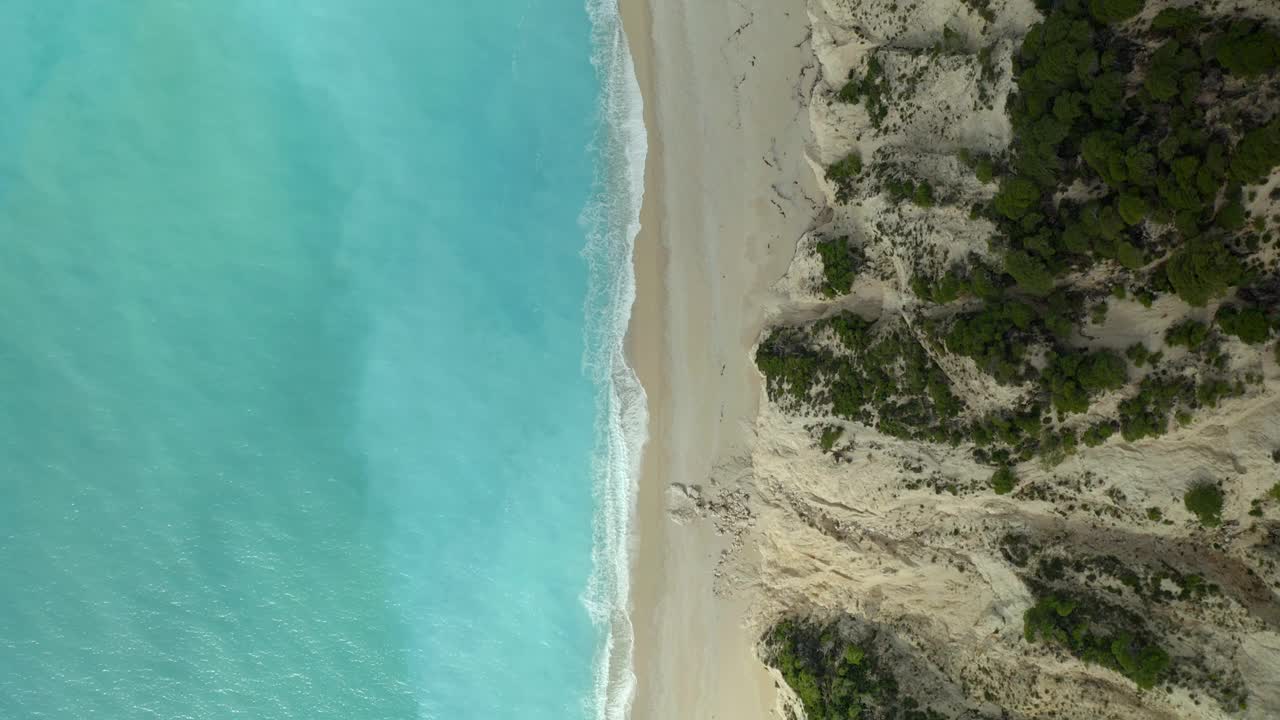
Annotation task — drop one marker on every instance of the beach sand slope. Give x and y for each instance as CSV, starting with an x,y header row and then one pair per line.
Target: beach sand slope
x,y
728,193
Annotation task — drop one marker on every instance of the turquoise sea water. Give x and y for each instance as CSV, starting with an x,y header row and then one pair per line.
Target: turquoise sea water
x,y
310,332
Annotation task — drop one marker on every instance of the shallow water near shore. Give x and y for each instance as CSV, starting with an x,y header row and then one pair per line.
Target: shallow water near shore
x,y
314,402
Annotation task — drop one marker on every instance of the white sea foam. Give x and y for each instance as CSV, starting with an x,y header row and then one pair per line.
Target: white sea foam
x,y
612,220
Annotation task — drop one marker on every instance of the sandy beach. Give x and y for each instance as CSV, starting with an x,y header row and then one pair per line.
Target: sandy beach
x,y
728,194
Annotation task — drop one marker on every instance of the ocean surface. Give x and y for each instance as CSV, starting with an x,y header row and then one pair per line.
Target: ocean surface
x,y
311,321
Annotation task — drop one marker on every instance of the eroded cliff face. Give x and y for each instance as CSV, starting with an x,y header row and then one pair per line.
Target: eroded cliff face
x,y
1089,581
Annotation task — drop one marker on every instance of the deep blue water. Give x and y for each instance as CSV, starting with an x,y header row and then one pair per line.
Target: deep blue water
x,y
302,414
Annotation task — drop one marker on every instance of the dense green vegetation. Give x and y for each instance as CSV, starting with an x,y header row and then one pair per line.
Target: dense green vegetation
x,y
1188,334
1247,49
1249,324
836,679
1146,414
885,380
840,264
844,173
1076,376
996,337
1147,150
1118,113
1098,633
1140,356
1004,480
1204,500
888,379
957,282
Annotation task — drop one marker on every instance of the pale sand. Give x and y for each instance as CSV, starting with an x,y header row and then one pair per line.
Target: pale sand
x,y
727,196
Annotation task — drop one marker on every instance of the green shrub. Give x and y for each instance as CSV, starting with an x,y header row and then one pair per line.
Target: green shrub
x,y
947,289
1003,480
984,170
836,679
1073,378
1085,628
1247,49
1204,500
923,195
840,263
1147,413
1257,154
1132,208
995,338
887,379
1031,274
1057,446
1016,197
1248,324
1210,391
872,90
1139,355
1142,663
1098,434
1202,270
1173,73
1189,334
830,435
844,173
1111,11
789,366
1102,151
1174,19
1130,256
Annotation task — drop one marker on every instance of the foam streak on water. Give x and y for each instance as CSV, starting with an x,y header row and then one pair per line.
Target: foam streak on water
x,y
613,221
297,421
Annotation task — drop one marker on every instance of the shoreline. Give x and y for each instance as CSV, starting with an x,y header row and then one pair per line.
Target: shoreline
x,y
710,246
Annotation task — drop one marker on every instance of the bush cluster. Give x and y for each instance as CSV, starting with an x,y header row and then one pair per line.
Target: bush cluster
x,y
1189,334
972,280
844,173
1147,146
1075,377
1146,414
1204,500
1088,630
918,192
887,380
838,680
1247,49
996,338
1004,480
841,261
872,90
1249,324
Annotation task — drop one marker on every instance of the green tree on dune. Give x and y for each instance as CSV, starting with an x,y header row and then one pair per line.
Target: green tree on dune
x,y
1112,11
